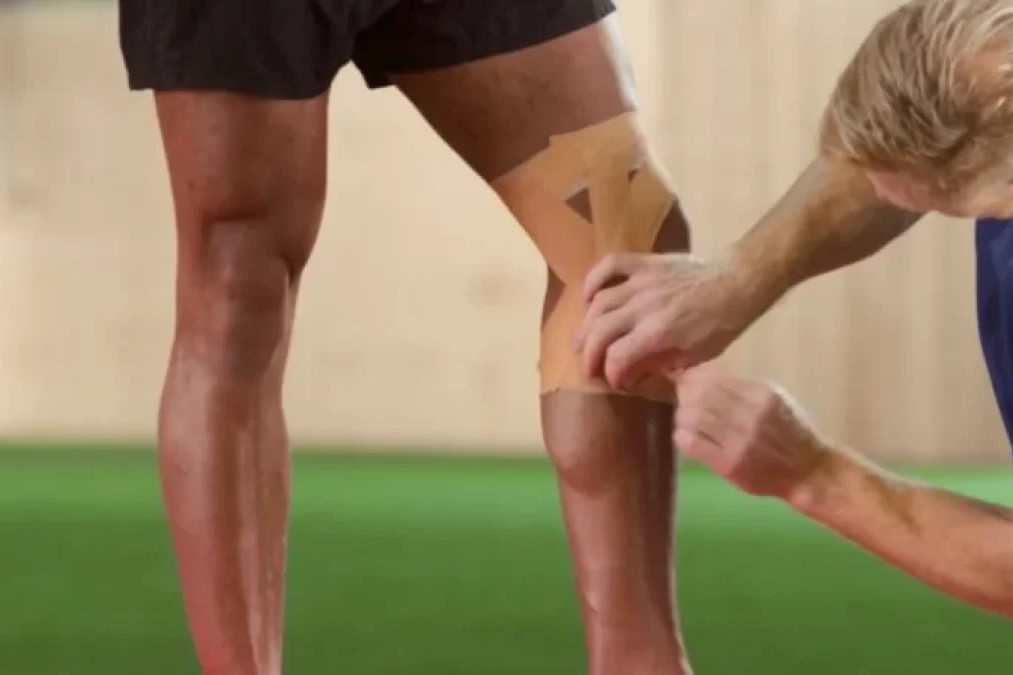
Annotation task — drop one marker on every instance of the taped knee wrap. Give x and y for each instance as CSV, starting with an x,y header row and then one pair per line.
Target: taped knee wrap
x,y
629,198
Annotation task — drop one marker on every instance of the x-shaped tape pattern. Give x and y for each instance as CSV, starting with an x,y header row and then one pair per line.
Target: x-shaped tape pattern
x,y
629,199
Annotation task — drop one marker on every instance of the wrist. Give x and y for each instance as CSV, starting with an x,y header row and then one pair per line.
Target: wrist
x,y
758,271
823,483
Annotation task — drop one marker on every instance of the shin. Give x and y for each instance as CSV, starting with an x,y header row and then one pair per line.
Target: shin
x,y
616,472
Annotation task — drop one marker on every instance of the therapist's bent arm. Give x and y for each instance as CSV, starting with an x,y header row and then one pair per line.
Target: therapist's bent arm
x,y
960,545
754,436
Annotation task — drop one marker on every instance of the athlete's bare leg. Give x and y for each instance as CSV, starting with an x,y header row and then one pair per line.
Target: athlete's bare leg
x,y
613,453
248,180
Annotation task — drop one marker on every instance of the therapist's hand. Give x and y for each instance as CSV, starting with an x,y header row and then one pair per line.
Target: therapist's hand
x,y
655,312
747,431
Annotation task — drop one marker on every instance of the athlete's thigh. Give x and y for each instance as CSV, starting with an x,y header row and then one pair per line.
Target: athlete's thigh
x,y
238,157
240,89
499,111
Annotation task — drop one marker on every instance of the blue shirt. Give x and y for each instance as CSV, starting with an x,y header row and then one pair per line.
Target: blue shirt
x,y
994,247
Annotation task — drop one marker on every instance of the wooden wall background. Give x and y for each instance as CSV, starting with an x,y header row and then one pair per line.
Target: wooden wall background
x,y
440,352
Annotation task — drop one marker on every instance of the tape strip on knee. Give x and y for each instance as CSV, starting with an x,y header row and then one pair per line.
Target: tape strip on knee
x,y
629,198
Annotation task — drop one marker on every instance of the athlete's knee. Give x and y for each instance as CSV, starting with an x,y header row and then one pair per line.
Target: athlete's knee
x,y
589,437
237,286
592,192
584,465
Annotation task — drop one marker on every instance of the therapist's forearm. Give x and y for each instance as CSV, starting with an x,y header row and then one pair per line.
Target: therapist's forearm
x,y
959,545
830,218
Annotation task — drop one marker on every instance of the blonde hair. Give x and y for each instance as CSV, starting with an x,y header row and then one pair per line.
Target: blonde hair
x,y
929,92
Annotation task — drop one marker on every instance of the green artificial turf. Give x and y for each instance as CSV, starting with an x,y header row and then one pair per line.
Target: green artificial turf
x,y
456,567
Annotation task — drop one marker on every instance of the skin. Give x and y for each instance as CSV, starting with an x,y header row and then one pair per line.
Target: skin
x,y
248,182
991,196
755,437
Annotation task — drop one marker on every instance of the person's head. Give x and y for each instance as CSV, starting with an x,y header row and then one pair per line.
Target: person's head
x,y
926,108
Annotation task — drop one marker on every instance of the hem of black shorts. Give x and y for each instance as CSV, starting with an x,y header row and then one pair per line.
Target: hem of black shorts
x,y
506,44
167,84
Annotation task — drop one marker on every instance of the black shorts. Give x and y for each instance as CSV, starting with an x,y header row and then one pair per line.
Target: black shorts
x,y
292,49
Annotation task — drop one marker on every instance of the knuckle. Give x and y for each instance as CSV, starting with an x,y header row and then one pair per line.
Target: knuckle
x,y
617,362
615,263
594,344
689,419
692,446
770,403
611,296
608,262
597,305
599,336
655,332
687,441
643,294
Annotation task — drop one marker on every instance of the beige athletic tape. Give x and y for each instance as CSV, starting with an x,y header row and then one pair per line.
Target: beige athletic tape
x,y
626,215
